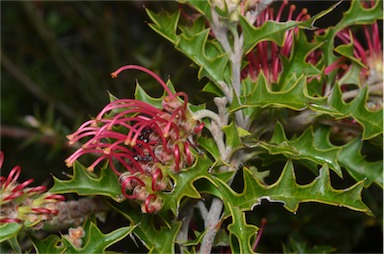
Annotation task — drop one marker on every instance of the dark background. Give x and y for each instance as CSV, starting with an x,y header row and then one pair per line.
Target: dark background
x,y
56,60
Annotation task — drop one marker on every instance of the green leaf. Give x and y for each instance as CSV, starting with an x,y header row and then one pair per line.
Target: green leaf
x,y
9,230
287,191
157,239
209,145
371,121
297,62
269,31
232,137
204,7
360,169
94,241
84,184
295,97
183,184
165,24
213,62
142,95
241,230
51,244
302,148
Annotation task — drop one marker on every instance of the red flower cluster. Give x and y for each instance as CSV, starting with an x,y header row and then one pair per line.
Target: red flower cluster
x,y
22,204
266,56
141,143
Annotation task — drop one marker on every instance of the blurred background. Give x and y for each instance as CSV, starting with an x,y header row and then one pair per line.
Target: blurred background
x,y
56,60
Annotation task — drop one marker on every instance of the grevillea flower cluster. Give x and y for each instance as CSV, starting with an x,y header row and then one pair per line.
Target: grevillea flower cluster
x,y
142,144
266,56
25,205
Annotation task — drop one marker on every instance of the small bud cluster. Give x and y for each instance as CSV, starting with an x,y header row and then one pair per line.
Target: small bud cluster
x,y
141,143
22,204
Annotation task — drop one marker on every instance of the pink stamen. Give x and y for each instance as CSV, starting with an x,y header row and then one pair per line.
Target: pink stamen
x,y
140,68
176,153
55,197
38,189
147,203
282,6
157,176
13,175
23,185
188,153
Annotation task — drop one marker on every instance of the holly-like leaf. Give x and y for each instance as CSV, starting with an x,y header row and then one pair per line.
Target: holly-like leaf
x,y
142,95
371,121
210,58
207,54
302,148
165,24
183,184
232,137
159,239
287,191
259,95
94,241
241,230
297,62
269,31
360,169
84,184
51,244
9,230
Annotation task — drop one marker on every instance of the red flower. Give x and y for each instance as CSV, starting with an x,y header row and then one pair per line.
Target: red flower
x,y
22,204
140,142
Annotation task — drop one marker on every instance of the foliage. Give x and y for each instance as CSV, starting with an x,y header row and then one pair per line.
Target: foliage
x,y
295,118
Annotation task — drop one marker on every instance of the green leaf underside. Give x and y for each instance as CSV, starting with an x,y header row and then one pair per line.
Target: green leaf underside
x,y
84,184
291,194
94,240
